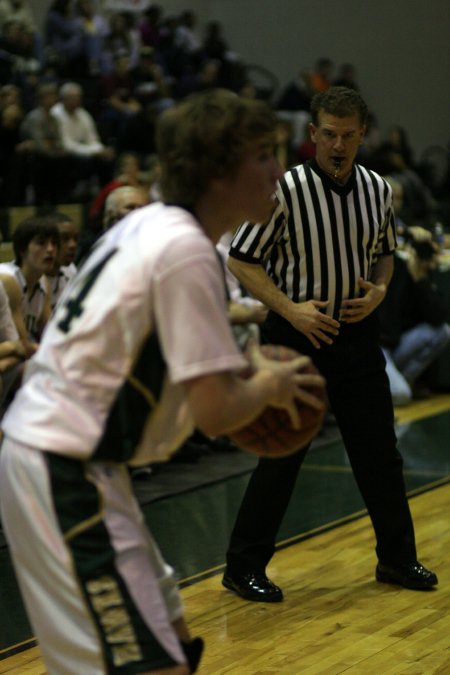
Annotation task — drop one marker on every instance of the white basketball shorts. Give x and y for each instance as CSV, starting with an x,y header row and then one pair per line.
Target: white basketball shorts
x,y
98,594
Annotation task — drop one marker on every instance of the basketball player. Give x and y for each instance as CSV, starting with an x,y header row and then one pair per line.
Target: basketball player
x,y
137,354
36,243
64,268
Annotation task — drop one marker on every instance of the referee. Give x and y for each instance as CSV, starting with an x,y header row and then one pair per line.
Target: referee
x,y
322,265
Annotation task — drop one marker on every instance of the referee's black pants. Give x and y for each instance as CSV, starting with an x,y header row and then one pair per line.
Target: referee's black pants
x,y
359,395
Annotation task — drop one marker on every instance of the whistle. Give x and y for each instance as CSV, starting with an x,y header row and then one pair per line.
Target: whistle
x,y
337,166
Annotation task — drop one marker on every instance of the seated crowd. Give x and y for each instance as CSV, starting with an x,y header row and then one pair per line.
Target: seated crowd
x,y
88,87
78,106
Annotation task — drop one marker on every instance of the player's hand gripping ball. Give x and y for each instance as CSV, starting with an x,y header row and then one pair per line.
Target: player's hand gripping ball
x,y
271,434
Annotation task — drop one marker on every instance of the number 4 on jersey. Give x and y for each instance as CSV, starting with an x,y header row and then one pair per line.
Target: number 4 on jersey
x,y
74,306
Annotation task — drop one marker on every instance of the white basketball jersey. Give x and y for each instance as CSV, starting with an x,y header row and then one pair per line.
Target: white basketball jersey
x,y
145,312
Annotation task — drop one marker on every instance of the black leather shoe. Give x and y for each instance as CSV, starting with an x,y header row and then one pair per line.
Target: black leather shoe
x,y
253,586
193,651
410,575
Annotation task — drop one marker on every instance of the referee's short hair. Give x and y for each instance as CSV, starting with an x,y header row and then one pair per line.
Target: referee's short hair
x,y
339,101
205,137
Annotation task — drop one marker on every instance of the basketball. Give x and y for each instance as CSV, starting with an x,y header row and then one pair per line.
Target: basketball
x,y
271,434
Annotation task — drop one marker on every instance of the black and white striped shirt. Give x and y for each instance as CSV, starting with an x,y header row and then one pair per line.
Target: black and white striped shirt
x,y
322,236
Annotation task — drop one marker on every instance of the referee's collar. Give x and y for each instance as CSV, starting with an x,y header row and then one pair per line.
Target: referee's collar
x,y
330,183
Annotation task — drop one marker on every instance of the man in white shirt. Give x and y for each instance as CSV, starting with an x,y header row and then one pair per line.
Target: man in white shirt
x,y
79,135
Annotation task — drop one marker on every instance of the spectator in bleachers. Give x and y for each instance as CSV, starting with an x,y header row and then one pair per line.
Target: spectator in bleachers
x,y
372,141
296,95
322,75
20,56
186,37
346,77
18,41
152,175
127,172
284,149
405,231
119,202
413,319
122,201
94,28
419,207
80,137
207,77
52,171
139,133
168,50
398,141
247,90
10,94
412,313
117,99
64,42
150,82
21,59
306,149
17,10
14,157
215,47
149,26
20,11
122,35
214,44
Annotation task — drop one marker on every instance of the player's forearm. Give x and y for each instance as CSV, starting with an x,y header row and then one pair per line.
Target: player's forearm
x,y
223,403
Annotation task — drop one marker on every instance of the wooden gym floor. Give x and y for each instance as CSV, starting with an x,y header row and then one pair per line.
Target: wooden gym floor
x,y
335,618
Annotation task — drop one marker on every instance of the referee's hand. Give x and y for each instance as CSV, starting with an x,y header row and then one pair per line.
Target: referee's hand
x,y
357,309
318,327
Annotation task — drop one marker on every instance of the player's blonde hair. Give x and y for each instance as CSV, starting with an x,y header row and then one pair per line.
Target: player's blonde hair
x,y
205,137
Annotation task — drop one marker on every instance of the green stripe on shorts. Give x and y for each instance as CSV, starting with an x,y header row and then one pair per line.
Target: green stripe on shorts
x,y
128,644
